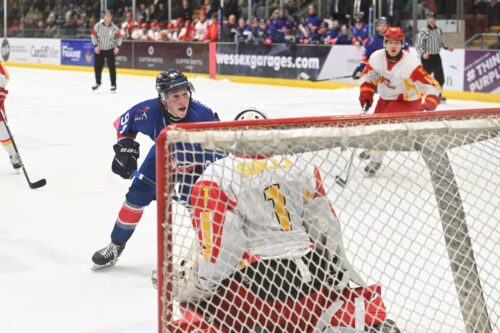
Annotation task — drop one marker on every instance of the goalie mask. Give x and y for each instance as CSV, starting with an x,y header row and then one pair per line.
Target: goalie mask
x,y
250,114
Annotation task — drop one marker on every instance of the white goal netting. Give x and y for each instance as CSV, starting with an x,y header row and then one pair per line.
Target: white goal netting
x,y
290,230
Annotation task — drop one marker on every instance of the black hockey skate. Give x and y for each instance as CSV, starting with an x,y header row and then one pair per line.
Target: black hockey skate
x,y
372,168
107,256
15,160
96,86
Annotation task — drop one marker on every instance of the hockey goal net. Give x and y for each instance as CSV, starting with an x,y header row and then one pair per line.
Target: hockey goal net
x,y
423,231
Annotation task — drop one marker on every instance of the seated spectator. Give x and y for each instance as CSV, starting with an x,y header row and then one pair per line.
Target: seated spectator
x,y
332,33
186,11
154,31
243,32
276,35
141,33
281,20
291,7
231,8
213,29
261,34
493,13
127,26
345,37
186,32
201,28
52,30
303,34
162,14
174,29
229,33
289,33
313,20
360,32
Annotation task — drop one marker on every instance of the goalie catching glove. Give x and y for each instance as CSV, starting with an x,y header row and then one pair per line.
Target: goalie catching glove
x,y
125,160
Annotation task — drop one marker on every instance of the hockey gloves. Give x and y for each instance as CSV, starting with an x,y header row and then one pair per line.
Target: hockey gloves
x,y
430,103
356,75
367,90
126,155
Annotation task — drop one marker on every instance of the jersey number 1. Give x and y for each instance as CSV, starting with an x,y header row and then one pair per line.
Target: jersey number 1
x,y
272,193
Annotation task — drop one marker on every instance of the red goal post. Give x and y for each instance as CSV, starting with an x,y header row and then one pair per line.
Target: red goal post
x,y
425,229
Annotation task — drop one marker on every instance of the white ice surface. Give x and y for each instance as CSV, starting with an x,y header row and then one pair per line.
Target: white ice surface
x,y
47,236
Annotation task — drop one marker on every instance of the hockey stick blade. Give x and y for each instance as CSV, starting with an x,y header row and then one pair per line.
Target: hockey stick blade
x,y
39,183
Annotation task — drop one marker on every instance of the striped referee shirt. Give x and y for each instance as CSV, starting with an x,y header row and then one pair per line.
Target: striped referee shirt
x,y
430,40
106,37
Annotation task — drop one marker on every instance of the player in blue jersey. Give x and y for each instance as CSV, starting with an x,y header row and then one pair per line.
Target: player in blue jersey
x,y
174,104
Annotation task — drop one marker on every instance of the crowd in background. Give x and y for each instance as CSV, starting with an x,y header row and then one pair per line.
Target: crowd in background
x,y
194,20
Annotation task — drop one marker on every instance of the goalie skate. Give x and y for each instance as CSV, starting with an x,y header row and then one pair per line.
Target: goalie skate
x,y
107,256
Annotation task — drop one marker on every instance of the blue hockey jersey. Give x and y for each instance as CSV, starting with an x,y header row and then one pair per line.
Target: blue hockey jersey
x,y
150,118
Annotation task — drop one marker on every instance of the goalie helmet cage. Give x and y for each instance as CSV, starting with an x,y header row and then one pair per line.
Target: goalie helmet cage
x,y
425,228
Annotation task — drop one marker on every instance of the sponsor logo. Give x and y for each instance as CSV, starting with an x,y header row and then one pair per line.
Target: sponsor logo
x,y
276,62
69,52
44,52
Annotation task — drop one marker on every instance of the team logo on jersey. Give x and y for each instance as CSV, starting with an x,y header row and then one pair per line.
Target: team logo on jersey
x,y
387,82
142,114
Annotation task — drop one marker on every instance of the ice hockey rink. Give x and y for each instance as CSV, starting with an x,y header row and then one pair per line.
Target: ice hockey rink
x,y
65,134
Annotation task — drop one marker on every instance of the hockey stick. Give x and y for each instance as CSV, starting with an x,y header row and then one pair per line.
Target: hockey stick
x,y
343,181
34,185
305,76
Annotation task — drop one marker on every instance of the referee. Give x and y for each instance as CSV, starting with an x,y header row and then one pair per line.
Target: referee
x,y
107,40
429,43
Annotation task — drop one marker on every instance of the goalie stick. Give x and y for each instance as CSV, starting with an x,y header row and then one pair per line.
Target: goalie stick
x,y
343,181
305,76
32,185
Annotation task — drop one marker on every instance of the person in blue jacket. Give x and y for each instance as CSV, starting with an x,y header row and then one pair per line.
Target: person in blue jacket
x,y
374,43
174,104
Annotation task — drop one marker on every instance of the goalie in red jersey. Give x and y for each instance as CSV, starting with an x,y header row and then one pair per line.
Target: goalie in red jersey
x,y
269,255
402,83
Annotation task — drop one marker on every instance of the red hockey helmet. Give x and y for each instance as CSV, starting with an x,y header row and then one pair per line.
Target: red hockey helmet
x,y
394,33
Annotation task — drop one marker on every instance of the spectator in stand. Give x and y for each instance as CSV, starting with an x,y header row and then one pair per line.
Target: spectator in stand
x,y
313,20
213,29
345,37
493,13
152,13
261,34
291,7
231,8
358,8
139,32
289,33
127,26
337,10
207,8
186,10
186,33
243,32
276,35
394,10
316,34
174,29
281,19
162,15
229,32
52,30
360,32
332,33
201,28
154,31
141,13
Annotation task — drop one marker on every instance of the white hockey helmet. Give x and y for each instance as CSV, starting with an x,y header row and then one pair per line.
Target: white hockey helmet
x,y
250,114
